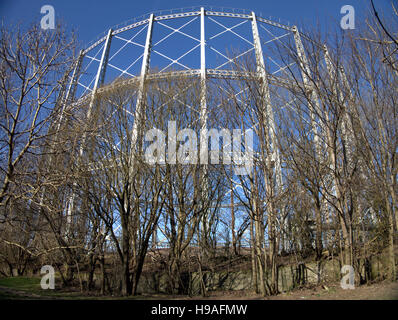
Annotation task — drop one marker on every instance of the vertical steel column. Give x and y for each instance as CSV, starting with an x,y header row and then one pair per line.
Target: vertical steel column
x,y
326,207
141,90
346,126
203,102
332,74
355,115
271,131
347,131
70,93
139,119
314,111
203,113
305,71
99,80
271,128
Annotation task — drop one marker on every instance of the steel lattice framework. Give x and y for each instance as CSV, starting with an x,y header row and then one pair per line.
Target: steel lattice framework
x,y
131,51
191,43
140,41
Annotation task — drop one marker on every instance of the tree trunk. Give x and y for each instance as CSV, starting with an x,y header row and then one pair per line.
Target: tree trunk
x,y
392,269
234,244
103,272
253,257
318,241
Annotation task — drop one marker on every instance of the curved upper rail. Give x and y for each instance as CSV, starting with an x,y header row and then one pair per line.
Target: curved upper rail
x,y
184,12
210,74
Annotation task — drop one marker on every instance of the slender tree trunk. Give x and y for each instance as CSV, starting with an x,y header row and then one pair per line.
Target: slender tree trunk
x,y
346,257
259,236
126,281
392,269
272,250
253,257
234,244
91,270
318,240
103,273
260,260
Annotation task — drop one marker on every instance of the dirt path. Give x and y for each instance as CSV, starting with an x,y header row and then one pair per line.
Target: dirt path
x,y
17,294
379,291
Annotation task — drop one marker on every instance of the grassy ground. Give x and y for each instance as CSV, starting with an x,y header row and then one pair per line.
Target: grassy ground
x,y
19,287
28,288
23,283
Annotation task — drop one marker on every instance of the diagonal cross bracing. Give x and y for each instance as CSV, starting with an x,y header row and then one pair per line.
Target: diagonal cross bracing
x,y
275,37
117,68
178,30
230,60
281,68
182,56
127,41
85,69
173,61
230,30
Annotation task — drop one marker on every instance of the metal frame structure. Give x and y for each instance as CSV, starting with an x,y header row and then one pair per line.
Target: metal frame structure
x,y
204,72
88,56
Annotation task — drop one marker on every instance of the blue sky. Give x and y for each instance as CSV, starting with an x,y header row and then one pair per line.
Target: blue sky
x,y
92,17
